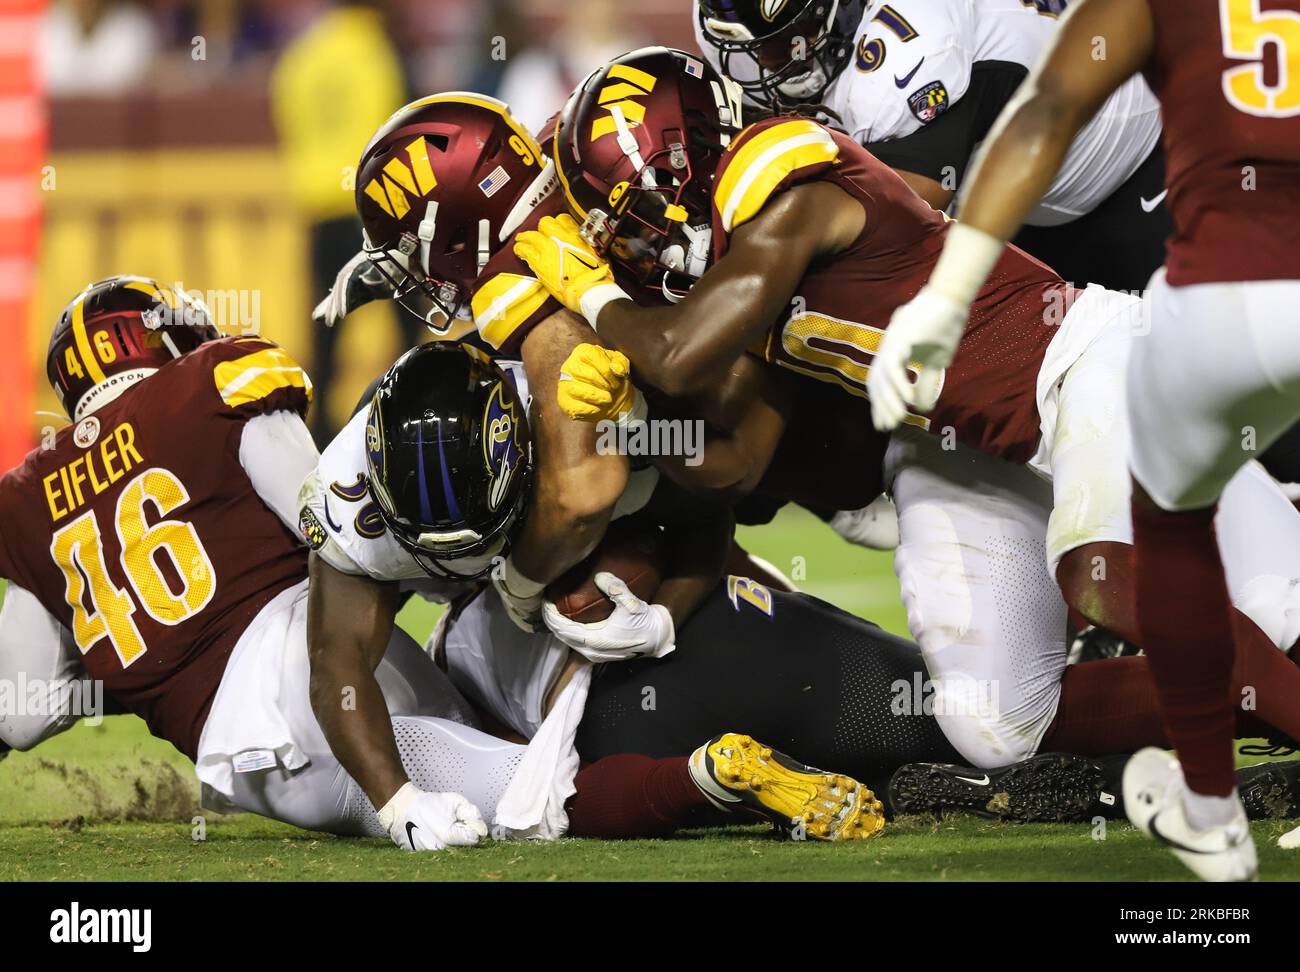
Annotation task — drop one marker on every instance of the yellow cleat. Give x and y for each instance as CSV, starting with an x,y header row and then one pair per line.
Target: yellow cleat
x,y
735,772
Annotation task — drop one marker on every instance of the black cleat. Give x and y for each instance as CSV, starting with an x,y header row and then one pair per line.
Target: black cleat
x,y
1270,791
1047,788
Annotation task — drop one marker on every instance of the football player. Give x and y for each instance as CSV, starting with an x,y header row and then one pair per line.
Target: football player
x,y
1231,282
786,239
440,189
920,82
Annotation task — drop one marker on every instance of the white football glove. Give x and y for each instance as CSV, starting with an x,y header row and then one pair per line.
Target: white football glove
x,y
635,629
875,526
924,331
356,285
520,595
421,821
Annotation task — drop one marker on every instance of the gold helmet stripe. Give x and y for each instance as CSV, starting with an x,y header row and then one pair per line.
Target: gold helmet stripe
x,y
88,357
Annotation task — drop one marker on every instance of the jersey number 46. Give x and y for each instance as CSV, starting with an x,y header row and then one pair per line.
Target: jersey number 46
x,y
78,549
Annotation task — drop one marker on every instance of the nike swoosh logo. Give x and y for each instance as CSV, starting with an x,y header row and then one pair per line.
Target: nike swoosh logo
x,y
982,781
410,828
906,79
1170,842
1149,205
329,519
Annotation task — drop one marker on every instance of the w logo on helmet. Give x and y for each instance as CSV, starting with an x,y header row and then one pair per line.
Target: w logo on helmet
x,y
771,9
626,83
391,188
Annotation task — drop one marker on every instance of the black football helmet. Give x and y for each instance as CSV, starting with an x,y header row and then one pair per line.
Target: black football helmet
x,y
449,457
796,47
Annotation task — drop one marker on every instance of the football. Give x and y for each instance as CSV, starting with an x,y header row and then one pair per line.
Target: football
x,y
630,551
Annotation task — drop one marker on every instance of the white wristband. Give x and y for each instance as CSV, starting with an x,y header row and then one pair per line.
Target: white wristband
x,y
639,411
595,299
969,256
397,804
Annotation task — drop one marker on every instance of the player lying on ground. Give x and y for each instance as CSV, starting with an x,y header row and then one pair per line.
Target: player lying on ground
x,y
1230,282
154,547
803,237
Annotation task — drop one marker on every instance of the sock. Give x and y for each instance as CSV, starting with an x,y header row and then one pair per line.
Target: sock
x,y
1203,812
1185,622
629,795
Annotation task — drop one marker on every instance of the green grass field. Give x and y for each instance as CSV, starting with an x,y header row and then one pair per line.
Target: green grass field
x,y
111,803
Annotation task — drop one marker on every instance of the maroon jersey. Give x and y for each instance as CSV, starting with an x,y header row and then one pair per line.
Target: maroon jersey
x,y
845,301
1227,73
508,300
141,533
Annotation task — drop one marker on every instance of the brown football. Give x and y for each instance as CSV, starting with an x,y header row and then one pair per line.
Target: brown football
x,y
630,551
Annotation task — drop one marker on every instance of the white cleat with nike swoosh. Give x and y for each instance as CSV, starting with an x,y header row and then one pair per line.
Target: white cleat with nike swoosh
x,y
1153,797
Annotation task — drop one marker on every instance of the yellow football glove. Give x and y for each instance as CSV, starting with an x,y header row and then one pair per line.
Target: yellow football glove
x,y
568,267
595,385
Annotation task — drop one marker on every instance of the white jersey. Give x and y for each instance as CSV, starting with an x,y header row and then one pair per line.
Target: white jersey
x,y
914,60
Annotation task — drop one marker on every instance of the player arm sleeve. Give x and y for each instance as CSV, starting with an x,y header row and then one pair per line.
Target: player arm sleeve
x,y
42,666
278,454
942,150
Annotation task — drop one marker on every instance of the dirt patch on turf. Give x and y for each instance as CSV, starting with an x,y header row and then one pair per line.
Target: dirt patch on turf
x,y
152,790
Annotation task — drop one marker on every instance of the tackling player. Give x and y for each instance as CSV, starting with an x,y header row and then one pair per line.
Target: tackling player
x,y
1231,283
920,82
788,240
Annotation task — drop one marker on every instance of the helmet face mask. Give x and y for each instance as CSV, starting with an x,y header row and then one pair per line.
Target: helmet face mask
x,y
636,148
449,459
439,303
797,51
439,189
649,224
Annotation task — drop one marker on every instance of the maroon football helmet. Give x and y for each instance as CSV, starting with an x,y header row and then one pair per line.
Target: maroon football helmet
x,y
440,188
636,148
116,332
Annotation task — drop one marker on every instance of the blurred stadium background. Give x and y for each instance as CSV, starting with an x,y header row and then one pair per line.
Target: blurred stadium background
x,y
210,143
